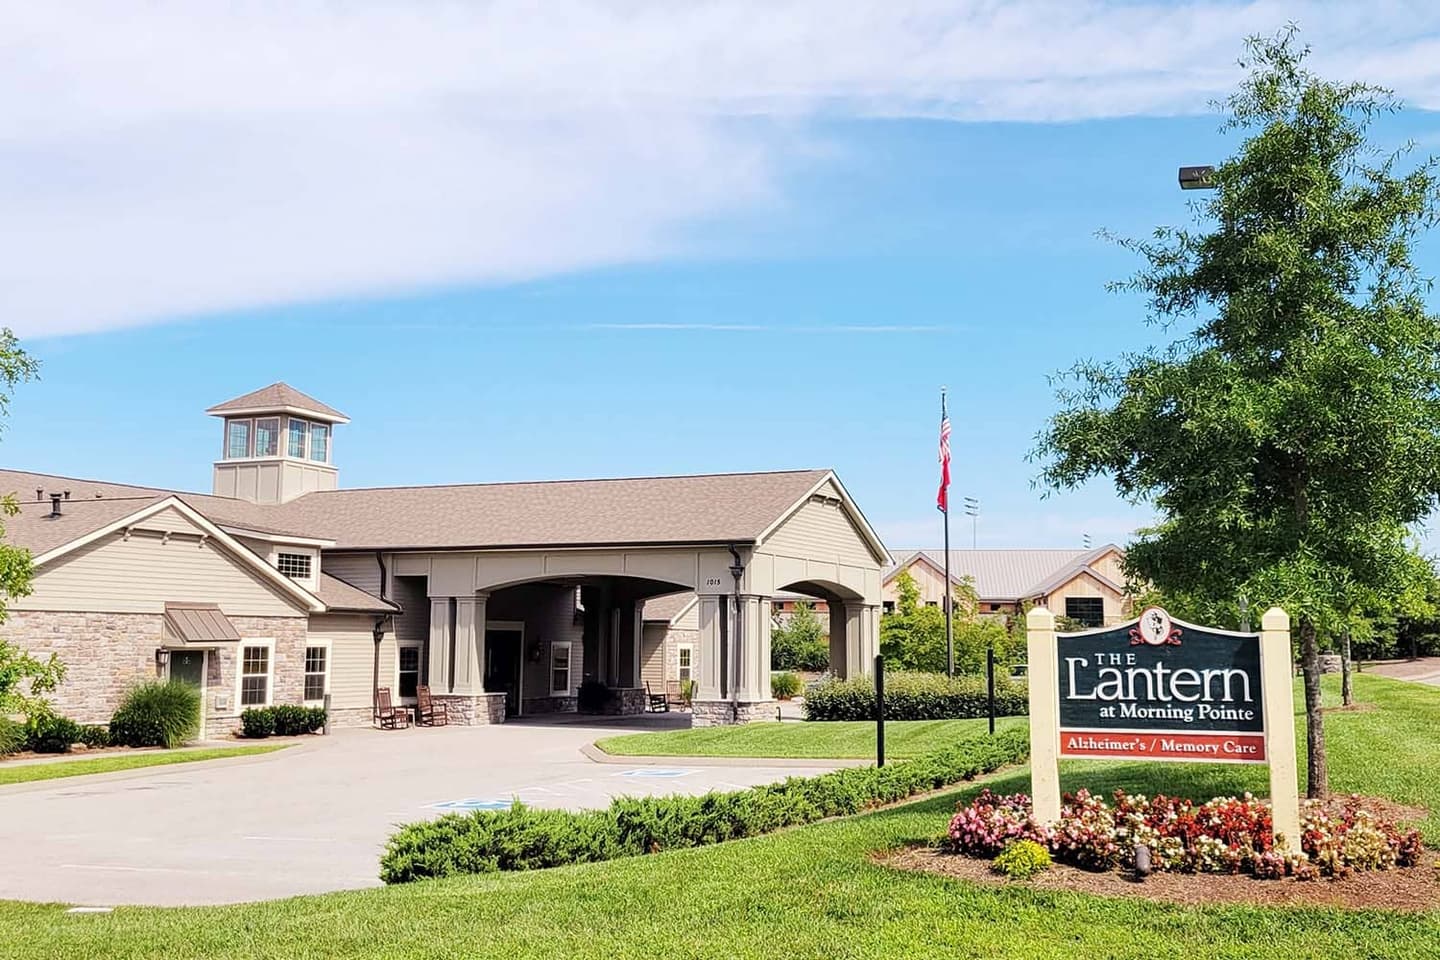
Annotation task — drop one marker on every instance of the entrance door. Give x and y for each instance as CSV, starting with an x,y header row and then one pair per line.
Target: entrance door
x,y
188,666
503,661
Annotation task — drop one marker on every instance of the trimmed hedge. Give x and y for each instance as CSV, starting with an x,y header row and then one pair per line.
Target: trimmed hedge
x,y
523,838
281,720
914,696
160,713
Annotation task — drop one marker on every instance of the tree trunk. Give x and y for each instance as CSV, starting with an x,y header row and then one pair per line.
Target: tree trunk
x,y
1316,777
1347,691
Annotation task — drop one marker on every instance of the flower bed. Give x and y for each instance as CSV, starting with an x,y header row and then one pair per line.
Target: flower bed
x,y
1231,835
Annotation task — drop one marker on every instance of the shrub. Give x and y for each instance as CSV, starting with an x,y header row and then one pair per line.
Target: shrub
x,y
687,691
160,713
784,685
593,696
94,735
257,723
1021,860
12,736
1224,835
282,720
524,839
914,696
47,732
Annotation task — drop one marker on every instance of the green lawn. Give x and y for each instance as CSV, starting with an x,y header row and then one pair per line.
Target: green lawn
x,y
804,893
904,738
123,761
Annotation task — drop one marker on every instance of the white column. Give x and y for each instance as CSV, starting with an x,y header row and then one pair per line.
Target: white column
x,y
439,673
861,638
752,654
707,651
1279,710
470,644
1044,714
838,631
637,626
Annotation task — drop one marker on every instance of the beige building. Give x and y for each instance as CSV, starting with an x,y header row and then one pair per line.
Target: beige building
x,y
282,586
1085,585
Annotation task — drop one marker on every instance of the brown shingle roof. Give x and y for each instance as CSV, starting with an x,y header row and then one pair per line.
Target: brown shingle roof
x,y
279,396
225,511
668,607
713,508
716,508
344,597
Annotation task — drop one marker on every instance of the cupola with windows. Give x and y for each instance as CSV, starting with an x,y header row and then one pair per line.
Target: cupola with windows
x,y
278,445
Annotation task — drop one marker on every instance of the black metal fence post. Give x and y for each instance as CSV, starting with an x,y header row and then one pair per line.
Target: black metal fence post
x,y
990,685
879,711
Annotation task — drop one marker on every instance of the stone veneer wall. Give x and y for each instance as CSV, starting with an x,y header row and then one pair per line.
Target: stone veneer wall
x,y
468,711
105,653
719,713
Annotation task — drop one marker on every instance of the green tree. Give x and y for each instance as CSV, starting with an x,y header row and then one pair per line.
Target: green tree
x,y
799,642
1291,439
913,636
24,679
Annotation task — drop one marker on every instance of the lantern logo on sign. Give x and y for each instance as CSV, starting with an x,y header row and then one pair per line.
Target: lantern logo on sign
x,y
1155,629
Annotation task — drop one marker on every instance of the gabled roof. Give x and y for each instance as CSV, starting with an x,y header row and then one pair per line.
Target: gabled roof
x,y
738,508
710,509
667,608
278,398
138,513
1013,574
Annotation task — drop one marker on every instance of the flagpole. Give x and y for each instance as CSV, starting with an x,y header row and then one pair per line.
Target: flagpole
x,y
945,511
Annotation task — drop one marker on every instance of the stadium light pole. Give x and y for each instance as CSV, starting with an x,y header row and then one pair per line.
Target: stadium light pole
x,y
972,510
1197,178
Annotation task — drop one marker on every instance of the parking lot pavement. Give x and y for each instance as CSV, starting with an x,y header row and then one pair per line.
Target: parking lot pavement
x,y
310,819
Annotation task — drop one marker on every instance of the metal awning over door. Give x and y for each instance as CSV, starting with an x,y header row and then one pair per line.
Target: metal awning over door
x,y
198,626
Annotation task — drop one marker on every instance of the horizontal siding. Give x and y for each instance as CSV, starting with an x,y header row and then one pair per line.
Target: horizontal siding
x,y
652,656
689,618
412,624
352,658
139,575
357,569
819,531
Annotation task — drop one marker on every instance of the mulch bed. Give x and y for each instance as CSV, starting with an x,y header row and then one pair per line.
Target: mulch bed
x,y
1413,890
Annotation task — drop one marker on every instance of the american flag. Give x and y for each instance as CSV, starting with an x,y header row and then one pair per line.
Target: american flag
x,y
942,500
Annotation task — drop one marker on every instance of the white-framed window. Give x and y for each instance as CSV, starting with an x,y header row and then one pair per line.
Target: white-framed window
x,y
237,439
257,663
560,668
317,673
685,653
320,442
267,436
408,675
295,432
297,566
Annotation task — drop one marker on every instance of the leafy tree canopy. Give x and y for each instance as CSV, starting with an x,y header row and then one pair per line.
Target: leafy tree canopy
x,y
1292,438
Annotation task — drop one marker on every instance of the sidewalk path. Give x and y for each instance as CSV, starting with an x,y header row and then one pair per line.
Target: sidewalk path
x,y
1422,670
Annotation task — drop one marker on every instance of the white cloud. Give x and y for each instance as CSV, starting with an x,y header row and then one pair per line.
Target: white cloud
x,y
160,158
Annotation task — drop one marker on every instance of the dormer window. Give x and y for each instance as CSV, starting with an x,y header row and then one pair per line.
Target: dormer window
x,y
294,565
320,442
237,439
297,431
267,436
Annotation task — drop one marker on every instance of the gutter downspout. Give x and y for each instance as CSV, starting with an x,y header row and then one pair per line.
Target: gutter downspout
x,y
737,570
379,635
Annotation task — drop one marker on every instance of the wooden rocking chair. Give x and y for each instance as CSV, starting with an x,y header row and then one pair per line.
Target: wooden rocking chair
x,y
658,703
386,714
428,713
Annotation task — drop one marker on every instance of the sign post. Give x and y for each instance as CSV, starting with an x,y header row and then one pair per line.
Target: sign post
x,y
1162,690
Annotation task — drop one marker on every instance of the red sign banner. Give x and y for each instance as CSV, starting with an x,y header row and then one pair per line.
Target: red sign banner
x,y
1152,745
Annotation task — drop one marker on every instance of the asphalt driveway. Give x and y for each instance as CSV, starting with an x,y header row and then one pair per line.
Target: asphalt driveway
x,y
309,819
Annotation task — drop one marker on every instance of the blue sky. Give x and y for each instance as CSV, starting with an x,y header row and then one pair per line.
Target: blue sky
x,y
695,284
